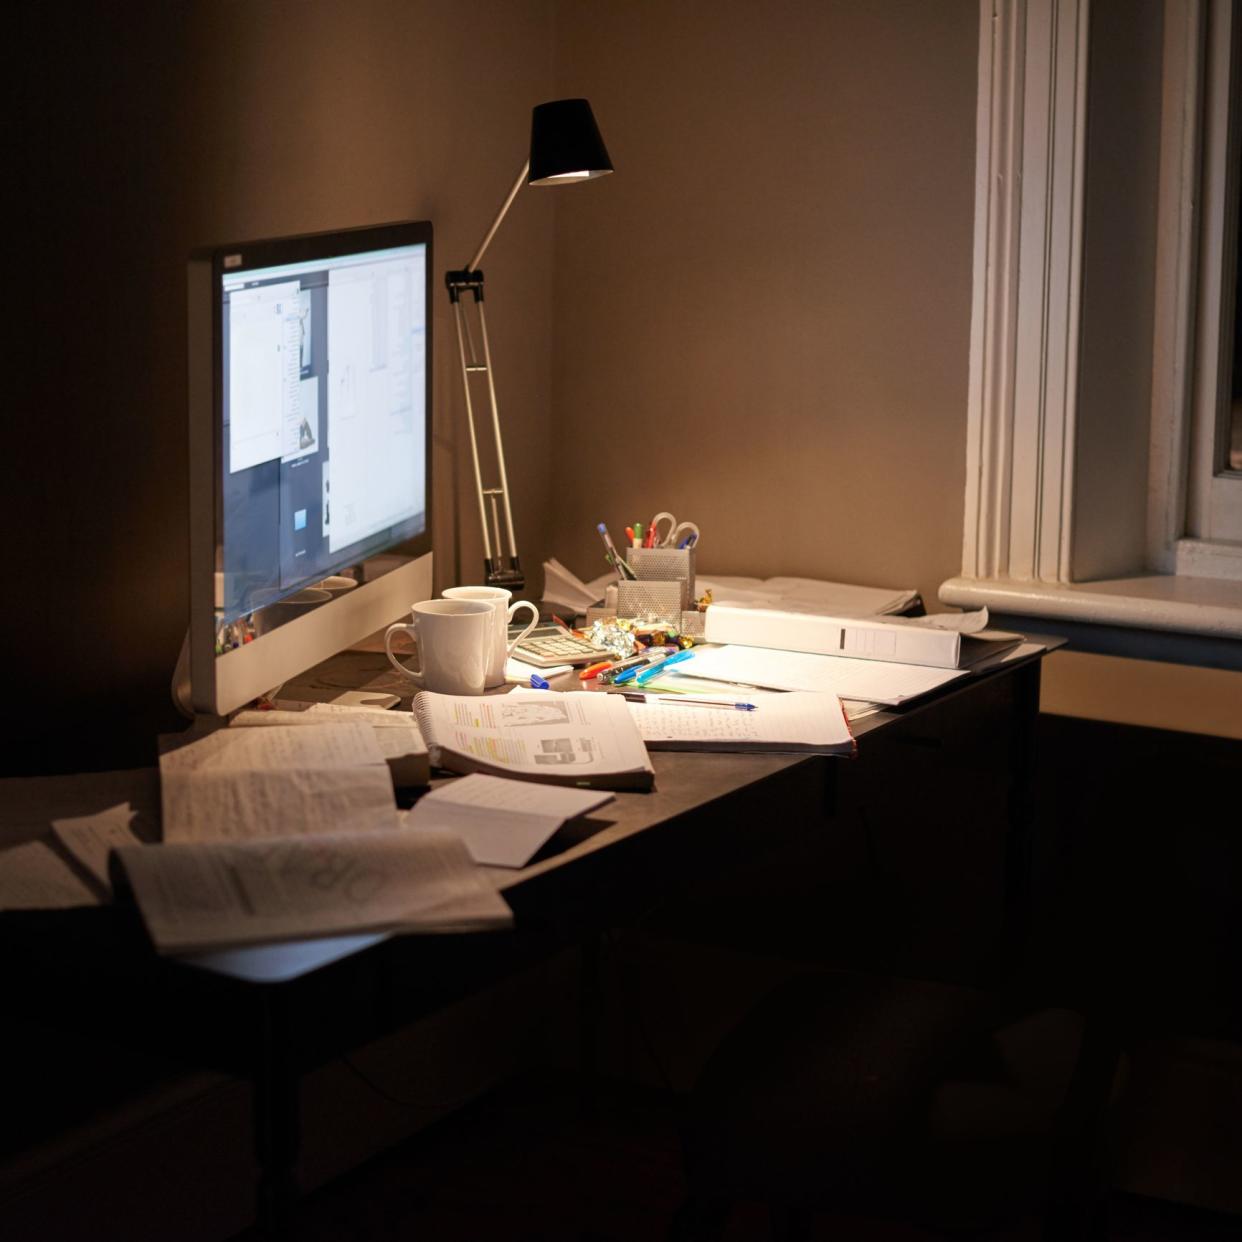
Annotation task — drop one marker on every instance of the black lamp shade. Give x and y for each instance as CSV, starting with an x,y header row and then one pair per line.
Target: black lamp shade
x,y
565,144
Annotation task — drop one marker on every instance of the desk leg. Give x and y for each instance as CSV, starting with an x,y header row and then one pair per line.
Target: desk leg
x,y
276,1119
1021,817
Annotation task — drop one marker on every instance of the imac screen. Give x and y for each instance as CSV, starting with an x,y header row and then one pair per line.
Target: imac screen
x,y
323,430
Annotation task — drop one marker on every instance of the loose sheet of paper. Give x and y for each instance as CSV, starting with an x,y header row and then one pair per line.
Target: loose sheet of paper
x,y
503,823
236,784
876,681
34,877
203,896
90,838
797,721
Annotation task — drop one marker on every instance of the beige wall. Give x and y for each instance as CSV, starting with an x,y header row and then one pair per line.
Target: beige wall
x,y
762,318
151,128
340,113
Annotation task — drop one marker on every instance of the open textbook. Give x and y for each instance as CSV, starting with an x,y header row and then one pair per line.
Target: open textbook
x,y
396,732
283,780
576,738
797,723
202,896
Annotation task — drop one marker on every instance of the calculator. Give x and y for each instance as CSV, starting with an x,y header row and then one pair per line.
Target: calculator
x,y
547,645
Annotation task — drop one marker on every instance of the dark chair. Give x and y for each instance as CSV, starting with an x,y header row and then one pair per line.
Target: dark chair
x,y
943,1106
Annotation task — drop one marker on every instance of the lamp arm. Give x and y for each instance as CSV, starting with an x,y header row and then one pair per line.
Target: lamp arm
x,y
500,215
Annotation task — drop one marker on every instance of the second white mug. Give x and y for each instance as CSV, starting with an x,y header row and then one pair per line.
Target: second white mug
x,y
500,648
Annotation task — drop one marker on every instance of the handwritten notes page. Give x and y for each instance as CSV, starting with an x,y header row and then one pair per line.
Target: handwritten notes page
x,y
503,823
195,897
796,722
236,784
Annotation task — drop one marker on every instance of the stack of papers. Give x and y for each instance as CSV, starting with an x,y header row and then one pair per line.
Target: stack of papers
x,y
840,599
873,681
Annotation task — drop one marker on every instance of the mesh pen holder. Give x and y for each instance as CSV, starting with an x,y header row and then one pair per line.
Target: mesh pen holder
x,y
651,601
665,585
664,565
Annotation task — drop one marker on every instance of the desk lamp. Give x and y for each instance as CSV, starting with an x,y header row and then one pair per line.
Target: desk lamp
x,y
565,147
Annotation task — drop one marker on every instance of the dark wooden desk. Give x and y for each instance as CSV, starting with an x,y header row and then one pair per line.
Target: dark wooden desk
x,y
273,1012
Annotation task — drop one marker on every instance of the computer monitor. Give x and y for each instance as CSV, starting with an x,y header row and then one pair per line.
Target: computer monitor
x,y
310,451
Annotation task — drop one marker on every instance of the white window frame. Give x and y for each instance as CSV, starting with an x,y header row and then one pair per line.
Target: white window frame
x,y
1023,415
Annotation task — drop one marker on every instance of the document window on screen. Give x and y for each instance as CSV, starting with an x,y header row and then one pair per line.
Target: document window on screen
x,y
324,418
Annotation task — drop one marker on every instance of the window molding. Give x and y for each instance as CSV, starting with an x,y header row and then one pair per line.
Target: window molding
x,y
1031,141
1027,430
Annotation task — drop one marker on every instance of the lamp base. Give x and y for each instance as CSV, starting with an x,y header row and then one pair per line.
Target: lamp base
x,y
509,576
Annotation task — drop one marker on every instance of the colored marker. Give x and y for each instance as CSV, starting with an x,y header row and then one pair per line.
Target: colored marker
x,y
539,683
650,656
594,670
639,675
650,671
629,534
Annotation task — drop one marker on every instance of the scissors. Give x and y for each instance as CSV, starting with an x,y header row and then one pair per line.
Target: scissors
x,y
676,534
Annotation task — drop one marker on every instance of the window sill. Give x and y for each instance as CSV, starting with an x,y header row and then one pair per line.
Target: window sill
x,y
1207,607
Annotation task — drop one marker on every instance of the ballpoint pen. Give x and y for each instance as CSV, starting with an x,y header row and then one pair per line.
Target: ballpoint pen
x,y
614,557
667,700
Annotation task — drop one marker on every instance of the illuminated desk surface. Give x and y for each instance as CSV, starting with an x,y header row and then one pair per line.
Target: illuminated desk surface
x,y
272,1012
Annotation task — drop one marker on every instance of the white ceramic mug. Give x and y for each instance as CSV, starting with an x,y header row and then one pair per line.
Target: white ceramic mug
x,y
453,637
500,648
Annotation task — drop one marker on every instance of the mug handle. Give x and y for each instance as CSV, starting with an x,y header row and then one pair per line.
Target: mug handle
x,y
389,634
534,621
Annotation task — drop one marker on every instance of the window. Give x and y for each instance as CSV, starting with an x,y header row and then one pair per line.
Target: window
x,y
1100,475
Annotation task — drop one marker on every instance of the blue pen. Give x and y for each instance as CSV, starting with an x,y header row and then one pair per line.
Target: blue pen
x,y
539,683
644,671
